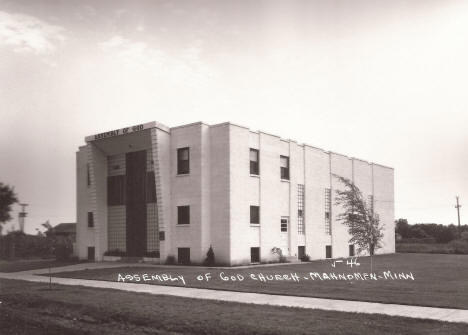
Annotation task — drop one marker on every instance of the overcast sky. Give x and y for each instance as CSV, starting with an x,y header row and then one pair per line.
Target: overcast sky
x,y
385,81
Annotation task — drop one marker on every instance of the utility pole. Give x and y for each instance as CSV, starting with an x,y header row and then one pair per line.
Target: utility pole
x,y
21,216
458,212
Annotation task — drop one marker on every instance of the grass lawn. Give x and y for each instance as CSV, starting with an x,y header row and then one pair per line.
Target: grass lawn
x,y
440,280
30,308
31,264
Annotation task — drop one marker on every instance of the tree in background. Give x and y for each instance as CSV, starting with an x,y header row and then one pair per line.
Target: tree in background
x,y
7,198
363,224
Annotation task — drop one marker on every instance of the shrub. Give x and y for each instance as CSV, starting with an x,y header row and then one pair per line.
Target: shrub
x,y
459,246
305,258
63,251
115,252
152,254
279,252
210,257
170,260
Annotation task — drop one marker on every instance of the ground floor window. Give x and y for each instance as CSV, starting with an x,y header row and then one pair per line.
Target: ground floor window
x,y
183,255
351,249
300,251
91,254
328,251
255,255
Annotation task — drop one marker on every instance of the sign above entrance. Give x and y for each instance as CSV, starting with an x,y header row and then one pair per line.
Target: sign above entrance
x,y
121,131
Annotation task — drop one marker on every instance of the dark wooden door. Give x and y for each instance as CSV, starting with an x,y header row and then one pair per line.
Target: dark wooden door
x,y
136,203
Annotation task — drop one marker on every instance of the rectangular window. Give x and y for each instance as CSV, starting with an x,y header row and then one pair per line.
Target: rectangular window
x,y
150,187
254,162
328,251
284,164
183,161
183,255
88,175
284,225
351,250
328,211
183,214
90,219
115,190
255,255
255,214
370,203
300,209
162,236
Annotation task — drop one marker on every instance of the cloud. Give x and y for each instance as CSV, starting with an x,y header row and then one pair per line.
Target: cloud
x,y
184,66
28,34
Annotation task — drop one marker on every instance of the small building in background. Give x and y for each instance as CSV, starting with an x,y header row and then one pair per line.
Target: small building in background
x,y
67,230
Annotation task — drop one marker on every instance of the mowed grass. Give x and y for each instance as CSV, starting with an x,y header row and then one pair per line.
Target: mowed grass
x,y
30,308
439,280
31,264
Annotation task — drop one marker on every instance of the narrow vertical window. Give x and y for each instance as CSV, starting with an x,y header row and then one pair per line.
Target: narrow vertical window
x,y
88,175
328,211
254,214
90,219
370,203
284,225
328,251
183,161
284,164
254,162
300,209
183,214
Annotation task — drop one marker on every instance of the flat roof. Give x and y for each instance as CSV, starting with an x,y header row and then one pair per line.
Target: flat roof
x,y
154,124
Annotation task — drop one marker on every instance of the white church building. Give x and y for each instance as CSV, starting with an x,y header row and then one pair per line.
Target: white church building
x,y
151,190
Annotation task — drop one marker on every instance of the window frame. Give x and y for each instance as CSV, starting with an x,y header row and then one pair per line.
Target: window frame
x,y
90,219
183,170
284,171
254,166
181,217
253,215
284,229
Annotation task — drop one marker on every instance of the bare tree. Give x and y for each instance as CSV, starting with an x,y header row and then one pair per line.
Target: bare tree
x,y
363,224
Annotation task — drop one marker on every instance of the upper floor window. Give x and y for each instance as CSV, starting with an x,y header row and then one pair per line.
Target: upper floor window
x,y
183,161
254,214
88,175
254,162
284,225
370,203
300,209
284,163
90,219
183,214
328,211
